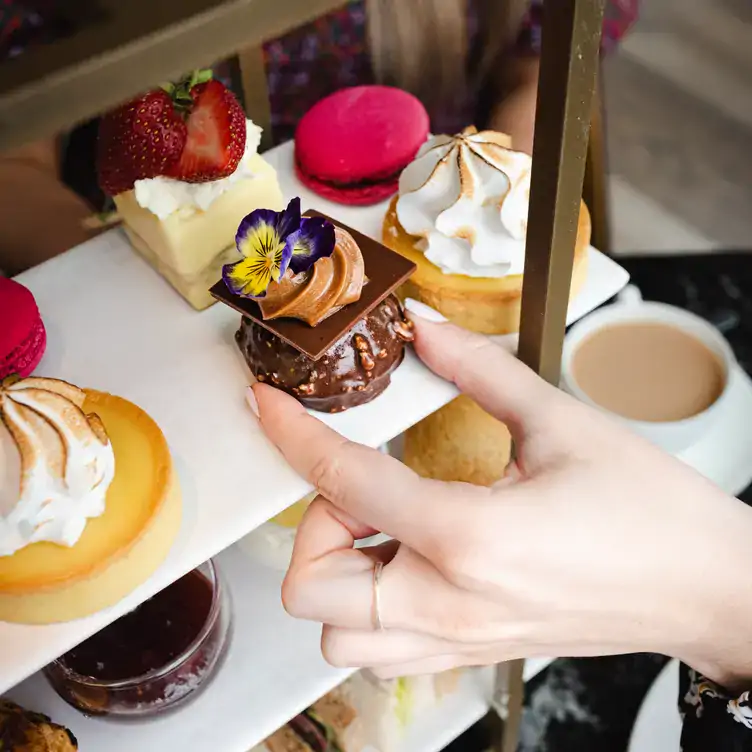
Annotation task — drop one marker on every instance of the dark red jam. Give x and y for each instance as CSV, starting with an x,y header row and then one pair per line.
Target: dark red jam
x,y
149,638
109,673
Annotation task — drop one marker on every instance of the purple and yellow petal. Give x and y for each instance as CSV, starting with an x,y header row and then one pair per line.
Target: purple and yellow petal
x,y
252,221
251,276
265,259
288,221
267,241
241,279
314,240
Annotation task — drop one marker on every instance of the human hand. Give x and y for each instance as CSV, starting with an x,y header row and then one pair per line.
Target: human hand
x,y
593,543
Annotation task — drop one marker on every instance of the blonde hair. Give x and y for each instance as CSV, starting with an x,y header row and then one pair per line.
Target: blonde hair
x,y
421,45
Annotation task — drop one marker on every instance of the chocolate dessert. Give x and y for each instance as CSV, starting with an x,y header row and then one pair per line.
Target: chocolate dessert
x,y
355,370
319,320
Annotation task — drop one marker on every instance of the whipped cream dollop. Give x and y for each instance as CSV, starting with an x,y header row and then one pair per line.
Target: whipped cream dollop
x,y
56,464
467,198
164,196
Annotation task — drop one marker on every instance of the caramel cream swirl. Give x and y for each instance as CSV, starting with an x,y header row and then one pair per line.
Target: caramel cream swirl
x,y
311,296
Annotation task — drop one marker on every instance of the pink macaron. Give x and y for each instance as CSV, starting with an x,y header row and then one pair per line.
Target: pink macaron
x,y
22,336
351,146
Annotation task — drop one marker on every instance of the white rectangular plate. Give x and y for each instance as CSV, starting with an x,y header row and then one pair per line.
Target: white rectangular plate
x,y
113,324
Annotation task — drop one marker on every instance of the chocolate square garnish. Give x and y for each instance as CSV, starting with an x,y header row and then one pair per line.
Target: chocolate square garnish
x,y
385,270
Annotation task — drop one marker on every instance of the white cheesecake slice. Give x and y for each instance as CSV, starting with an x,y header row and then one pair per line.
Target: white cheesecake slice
x,y
186,231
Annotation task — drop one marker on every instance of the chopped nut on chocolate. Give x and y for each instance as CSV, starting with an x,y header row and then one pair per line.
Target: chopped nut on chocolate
x,y
403,329
347,375
367,361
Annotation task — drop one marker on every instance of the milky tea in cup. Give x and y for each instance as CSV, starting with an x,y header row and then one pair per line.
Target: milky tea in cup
x,y
663,371
648,371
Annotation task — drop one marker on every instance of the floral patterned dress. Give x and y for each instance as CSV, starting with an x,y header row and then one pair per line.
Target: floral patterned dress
x,y
331,53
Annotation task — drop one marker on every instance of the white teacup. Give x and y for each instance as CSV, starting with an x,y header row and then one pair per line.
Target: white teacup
x,y
674,435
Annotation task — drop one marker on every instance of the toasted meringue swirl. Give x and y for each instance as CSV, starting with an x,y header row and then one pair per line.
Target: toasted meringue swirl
x,y
466,197
56,463
311,296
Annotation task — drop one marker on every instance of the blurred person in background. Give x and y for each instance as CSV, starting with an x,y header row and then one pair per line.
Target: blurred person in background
x,y
469,61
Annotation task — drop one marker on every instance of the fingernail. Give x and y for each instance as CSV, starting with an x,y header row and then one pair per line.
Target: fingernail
x,y
422,311
250,398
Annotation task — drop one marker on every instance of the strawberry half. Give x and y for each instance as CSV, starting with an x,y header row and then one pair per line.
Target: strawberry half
x,y
216,135
142,139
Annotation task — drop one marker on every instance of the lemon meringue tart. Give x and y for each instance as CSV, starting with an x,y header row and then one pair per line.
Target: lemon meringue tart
x,y
461,216
89,502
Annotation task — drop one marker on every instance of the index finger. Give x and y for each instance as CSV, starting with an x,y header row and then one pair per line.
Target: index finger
x,y
372,487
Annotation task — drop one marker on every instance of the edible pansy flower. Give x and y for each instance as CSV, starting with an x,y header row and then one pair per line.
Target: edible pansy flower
x,y
314,240
264,242
271,241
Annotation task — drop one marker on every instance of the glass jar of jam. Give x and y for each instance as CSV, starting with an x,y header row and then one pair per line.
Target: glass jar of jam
x,y
154,658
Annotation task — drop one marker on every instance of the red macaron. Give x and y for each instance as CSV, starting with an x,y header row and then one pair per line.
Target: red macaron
x,y
22,335
351,146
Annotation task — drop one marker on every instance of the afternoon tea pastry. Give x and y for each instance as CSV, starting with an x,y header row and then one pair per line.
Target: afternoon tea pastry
x,y
329,725
24,730
22,334
319,318
183,167
461,217
89,504
351,146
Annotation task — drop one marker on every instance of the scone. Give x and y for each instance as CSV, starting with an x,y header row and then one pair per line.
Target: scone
x,y
461,217
181,163
459,442
93,503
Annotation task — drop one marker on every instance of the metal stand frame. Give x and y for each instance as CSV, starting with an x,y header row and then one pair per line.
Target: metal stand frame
x,y
566,89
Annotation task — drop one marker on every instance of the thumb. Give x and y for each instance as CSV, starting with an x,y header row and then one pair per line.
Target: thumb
x,y
501,384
